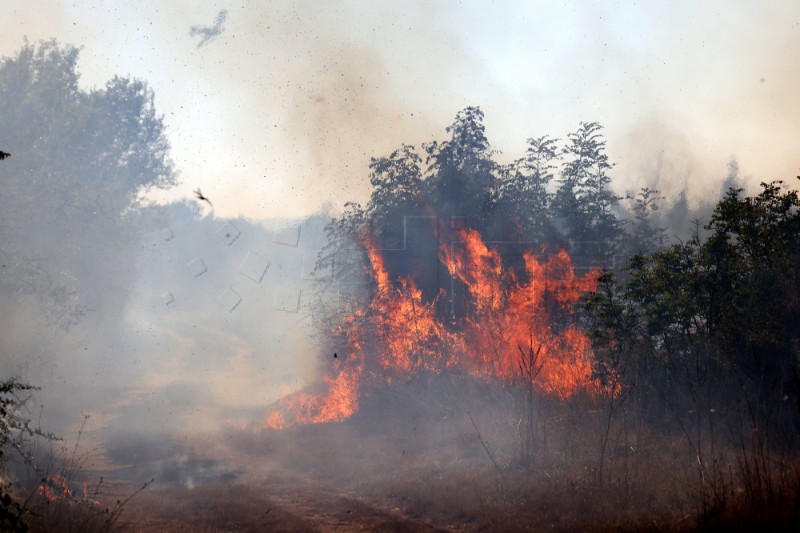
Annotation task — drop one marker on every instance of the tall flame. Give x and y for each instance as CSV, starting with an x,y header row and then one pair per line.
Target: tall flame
x,y
399,334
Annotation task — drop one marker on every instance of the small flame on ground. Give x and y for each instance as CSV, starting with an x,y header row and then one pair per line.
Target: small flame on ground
x,y
55,487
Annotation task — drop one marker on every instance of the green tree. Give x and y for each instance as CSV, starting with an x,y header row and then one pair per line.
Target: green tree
x,y
753,253
719,317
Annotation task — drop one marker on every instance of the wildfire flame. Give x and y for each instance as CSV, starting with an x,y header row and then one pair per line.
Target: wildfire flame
x,y
399,334
56,487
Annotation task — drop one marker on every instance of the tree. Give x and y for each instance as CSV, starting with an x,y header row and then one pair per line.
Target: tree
x,y
396,181
81,159
753,254
461,178
396,193
584,200
340,260
719,316
645,236
523,193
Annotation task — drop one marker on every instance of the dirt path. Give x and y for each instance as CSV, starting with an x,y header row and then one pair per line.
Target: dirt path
x,y
280,504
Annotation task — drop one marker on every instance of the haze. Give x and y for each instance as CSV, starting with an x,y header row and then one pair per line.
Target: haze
x,y
279,113
168,320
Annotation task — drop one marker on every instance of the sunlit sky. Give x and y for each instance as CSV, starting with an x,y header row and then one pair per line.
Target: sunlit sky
x,y
280,113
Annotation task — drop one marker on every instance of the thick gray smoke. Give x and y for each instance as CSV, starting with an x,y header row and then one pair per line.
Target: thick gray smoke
x,y
150,321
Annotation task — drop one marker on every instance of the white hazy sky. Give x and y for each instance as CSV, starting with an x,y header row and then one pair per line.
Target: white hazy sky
x,y
283,110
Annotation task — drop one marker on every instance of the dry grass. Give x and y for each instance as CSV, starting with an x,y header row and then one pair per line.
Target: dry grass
x,y
446,456
422,456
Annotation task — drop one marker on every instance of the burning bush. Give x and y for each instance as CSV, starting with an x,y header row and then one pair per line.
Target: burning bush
x,y
436,290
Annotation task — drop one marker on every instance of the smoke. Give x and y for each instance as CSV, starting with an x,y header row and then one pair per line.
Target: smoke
x,y
173,330
203,323
284,114
165,460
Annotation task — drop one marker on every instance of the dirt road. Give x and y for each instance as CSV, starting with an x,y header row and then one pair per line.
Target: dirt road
x,y
279,504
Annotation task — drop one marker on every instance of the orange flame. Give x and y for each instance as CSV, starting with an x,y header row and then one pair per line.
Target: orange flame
x,y
338,402
56,487
508,319
399,334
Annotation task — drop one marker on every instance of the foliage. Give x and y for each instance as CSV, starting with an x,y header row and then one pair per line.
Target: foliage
x,y
584,199
397,193
461,175
52,503
523,194
80,160
458,178
645,237
396,181
87,153
707,333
